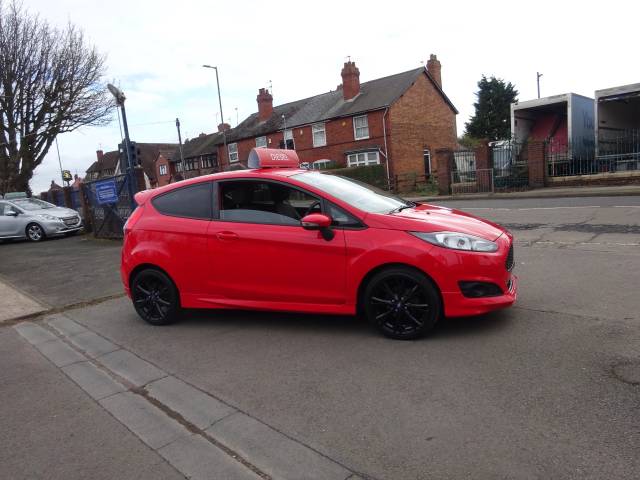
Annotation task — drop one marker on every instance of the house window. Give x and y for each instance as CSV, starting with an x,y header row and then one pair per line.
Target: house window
x,y
178,166
163,169
233,152
207,161
426,155
321,164
360,127
190,164
319,135
261,142
363,159
288,140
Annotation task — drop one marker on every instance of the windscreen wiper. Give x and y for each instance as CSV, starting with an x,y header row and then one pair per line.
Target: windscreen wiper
x,y
403,207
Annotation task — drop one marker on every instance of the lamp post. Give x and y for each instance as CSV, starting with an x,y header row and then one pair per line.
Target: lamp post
x,y
224,133
120,98
284,131
538,75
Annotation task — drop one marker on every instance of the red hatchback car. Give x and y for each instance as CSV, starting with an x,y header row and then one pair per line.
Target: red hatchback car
x,y
277,237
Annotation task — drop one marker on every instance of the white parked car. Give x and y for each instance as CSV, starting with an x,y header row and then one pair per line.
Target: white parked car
x,y
36,219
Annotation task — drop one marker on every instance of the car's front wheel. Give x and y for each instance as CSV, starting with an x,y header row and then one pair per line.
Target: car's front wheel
x,y
34,232
401,303
155,297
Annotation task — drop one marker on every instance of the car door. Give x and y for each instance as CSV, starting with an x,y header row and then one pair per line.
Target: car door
x,y
260,254
10,225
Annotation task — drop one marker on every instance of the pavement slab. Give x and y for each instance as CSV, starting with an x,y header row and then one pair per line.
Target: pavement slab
x,y
64,325
51,429
91,379
149,423
273,452
60,353
196,407
131,367
199,459
34,334
92,344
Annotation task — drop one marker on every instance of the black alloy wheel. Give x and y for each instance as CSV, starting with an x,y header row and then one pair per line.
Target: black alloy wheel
x,y
34,232
401,303
155,297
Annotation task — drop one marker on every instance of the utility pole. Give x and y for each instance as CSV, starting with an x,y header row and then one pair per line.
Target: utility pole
x,y
180,141
538,75
60,162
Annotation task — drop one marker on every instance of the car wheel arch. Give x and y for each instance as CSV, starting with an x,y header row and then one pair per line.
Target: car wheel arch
x,y
150,266
372,272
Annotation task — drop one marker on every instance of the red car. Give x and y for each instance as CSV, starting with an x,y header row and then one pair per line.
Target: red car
x,y
277,237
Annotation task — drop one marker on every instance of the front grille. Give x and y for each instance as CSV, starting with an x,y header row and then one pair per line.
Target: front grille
x,y
70,221
510,262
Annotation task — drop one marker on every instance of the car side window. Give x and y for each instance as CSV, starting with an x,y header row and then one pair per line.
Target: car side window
x,y
271,203
2,209
194,201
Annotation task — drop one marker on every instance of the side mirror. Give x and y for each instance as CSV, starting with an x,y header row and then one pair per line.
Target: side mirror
x,y
318,221
11,213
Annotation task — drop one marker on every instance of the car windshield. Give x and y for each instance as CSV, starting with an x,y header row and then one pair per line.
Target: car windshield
x,y
362,196
31,204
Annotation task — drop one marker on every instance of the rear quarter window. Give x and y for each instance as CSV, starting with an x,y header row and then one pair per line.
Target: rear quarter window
x,y
194,201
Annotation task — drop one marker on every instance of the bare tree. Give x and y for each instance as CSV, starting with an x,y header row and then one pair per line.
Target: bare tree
x,y
50,83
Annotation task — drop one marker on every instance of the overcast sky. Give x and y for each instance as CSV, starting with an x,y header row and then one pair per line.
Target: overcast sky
x,y
155,50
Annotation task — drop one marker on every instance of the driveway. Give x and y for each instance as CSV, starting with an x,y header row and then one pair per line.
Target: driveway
x,y
547,389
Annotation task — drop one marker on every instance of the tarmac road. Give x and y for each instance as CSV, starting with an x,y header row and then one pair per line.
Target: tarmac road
x,y
547,389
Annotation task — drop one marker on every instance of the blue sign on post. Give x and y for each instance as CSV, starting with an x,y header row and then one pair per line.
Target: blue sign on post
x,y
106,192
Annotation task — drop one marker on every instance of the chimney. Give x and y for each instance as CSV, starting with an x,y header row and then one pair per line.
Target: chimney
x,y
434,67
224,127
265,104
350,80
99,155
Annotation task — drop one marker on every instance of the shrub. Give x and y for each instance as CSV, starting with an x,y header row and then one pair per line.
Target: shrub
x,y
375,175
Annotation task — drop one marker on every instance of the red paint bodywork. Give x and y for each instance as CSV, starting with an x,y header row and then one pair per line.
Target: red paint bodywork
x,y
222,264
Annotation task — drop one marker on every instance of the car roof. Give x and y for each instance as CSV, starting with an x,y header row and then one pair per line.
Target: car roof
x,y
267,173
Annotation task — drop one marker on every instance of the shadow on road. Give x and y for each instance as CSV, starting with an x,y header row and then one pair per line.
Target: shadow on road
x,y
335,324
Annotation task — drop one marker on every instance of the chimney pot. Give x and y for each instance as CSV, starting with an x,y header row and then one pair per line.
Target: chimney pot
x,y
350,80
99,154
265,104
434,68
224,127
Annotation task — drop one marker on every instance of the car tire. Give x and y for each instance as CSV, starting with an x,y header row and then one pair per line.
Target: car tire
x,y
34,232
401,303
155,297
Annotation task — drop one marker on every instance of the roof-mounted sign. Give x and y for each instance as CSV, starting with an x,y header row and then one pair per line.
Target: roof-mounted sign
x,y
273,158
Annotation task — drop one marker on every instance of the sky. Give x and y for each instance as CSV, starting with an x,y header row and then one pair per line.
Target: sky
x,y
155,51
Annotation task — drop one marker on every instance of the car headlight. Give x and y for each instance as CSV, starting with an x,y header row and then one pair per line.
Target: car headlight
x,y
458,241
49,217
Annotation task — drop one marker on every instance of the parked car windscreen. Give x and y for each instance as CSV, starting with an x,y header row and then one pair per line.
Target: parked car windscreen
x,y
362,196
31,203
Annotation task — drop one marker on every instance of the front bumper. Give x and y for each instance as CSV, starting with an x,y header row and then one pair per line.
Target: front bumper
x,y
495,268
52,228
457,305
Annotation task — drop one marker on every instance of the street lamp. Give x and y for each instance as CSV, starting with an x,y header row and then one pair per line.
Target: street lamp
x,y
224,133
120,98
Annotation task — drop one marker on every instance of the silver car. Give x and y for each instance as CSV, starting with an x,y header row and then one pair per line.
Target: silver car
x,y
36,219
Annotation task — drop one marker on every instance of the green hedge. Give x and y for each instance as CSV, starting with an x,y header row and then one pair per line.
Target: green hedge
x,y
375,175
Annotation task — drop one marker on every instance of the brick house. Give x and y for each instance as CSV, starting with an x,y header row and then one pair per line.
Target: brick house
x,y
108,164
403,118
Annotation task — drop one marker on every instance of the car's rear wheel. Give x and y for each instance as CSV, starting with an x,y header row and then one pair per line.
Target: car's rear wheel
x,y
401,303
155,297
34,232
